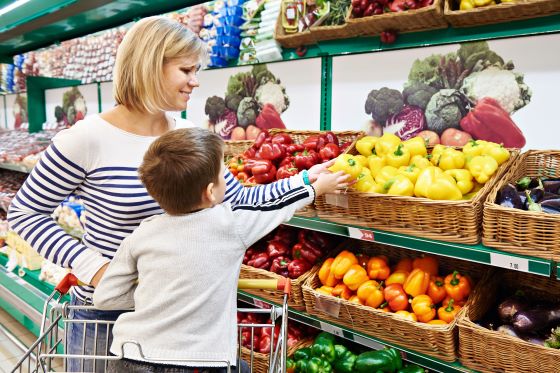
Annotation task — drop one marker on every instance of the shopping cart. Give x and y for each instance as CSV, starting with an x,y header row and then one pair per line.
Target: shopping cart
x,y
50,351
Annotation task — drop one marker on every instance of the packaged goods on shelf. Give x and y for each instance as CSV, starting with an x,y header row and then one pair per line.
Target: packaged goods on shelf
x,y
21,253
10,182
15,146
51,273
70,215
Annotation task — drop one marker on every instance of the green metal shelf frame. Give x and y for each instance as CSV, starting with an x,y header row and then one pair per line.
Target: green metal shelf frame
x,y
360,338
473,253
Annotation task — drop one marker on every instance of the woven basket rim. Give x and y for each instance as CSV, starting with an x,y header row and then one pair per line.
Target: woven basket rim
x,y
435,6
506,5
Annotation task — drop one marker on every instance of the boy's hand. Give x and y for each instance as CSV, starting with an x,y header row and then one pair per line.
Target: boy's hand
x,y
329,182
319,169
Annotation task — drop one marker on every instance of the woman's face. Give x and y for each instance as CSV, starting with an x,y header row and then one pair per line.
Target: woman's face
x,y
180,77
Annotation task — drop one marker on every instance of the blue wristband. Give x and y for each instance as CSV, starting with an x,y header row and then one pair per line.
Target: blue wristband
x,y
305,176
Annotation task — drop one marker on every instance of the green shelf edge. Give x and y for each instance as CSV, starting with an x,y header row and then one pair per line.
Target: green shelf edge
x,y
363,339
473,253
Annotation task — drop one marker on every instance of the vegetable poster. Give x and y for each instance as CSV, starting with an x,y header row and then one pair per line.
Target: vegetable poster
x,y
66,106
238,103
3,113
16,110
503,91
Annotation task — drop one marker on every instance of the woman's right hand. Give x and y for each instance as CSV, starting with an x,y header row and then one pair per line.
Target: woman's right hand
x,y
99,275
329,182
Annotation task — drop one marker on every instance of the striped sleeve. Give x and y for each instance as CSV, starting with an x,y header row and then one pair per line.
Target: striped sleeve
x,y
253,221
238,194
53,179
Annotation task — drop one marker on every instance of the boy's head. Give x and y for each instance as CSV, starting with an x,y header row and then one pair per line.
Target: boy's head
x,y
183,170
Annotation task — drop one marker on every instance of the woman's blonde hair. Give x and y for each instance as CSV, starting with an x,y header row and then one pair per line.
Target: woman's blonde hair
x,y
147,46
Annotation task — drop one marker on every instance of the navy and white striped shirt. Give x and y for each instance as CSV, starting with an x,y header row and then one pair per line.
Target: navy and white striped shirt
x,y
98,162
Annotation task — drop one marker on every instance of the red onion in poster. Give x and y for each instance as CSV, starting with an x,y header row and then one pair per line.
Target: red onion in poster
x,y
407,123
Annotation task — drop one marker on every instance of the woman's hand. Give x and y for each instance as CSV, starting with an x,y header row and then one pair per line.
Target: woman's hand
x,y
318,169
99,275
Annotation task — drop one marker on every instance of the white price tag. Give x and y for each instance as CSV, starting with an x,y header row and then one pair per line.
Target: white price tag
x,y
328,306
368,342
361,234
337,199
509,262
335,330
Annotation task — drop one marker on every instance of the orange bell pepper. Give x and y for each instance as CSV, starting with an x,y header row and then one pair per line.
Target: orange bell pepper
x,y
436,290
398,277
342,291
326,273
325,290
447,299
355,276
342,263
457,286
427,264
424,308
407,315
404,265
355,299
378,269
449,312
371,293
417,282
396,297
437,322
362,259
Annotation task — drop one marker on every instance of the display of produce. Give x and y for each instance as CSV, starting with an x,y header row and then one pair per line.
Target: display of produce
x,y
299,16
257,32
531,194
10,182
15,146
470,4
373,7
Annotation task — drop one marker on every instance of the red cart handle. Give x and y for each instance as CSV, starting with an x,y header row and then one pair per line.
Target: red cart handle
x,y
67,282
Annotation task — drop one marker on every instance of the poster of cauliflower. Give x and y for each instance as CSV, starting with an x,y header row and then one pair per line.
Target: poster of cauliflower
x,y
238,103
499,90
66,106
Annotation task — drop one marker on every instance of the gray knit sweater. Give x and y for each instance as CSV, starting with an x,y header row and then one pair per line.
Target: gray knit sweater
x,y
187,269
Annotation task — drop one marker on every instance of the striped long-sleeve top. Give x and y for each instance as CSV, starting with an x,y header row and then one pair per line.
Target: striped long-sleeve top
x,y
98,162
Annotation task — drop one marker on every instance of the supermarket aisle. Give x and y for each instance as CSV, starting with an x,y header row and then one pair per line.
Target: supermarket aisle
x,y
9,352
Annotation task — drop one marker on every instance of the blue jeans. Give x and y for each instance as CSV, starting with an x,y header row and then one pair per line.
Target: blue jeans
x,y
77,335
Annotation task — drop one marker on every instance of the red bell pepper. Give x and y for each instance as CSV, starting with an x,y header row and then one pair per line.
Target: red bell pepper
x,y
250,153
398,6
269,118
276,248
286,171
260,260
298,267
331,138
488,121
306,159
248,255
329,151
282,138
321,142
267,177
264,344
285,234
310,143
294,148
272,151
287,161
261,137
246,338
280,265
262,169
306,251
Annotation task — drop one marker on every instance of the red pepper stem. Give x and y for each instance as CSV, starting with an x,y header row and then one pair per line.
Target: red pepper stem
x,y
454,280
449,307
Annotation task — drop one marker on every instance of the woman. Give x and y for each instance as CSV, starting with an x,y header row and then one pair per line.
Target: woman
x,y
97,159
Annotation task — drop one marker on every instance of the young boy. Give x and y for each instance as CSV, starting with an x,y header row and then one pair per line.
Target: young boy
x,y
187,261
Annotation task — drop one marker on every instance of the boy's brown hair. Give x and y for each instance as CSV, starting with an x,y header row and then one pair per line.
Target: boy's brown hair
x,y
178,167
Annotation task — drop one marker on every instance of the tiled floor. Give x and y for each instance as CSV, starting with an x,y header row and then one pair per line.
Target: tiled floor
x,y
9,352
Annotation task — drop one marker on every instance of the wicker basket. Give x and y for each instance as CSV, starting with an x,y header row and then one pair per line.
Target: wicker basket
x,y
427,18
518,231
504,12
453,221
434,340
233,148
261,361
294,40
486,350
344,31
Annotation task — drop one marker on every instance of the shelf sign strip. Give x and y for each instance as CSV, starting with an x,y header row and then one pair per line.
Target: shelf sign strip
x,y
361,234
509,262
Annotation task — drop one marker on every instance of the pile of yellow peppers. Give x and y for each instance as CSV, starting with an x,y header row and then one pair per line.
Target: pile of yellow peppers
x,y
388,165
470,4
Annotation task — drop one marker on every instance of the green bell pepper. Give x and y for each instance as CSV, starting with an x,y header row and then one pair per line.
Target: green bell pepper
x,y
302,354
412,369
301,366
386,361
318,365
290,365
344,359
323,347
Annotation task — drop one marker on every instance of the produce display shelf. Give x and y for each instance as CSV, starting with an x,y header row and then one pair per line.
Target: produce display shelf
x,y
431,363
15,167
473,253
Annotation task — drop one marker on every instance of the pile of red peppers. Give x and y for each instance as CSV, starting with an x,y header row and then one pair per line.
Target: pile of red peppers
x,y
288,251
277,157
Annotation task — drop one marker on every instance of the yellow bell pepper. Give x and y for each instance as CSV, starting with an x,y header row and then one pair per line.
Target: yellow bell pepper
x,y
397,277
400,185
450,159
348,164
376,163
466,5
342,263
416,146
463,178
387,144
371,293
424,308
426,177
498,152
376,188
436,153
444,188
417,282
407,315
385,174
355,276
479,3
411,172
400,157
365,181
325,290
482,167
362,160
420,161
474,148
366,144
326,273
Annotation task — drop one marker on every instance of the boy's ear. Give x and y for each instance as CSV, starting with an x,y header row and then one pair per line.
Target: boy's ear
x,y
209,194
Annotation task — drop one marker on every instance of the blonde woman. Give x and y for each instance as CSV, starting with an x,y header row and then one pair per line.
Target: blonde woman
x,y
97,159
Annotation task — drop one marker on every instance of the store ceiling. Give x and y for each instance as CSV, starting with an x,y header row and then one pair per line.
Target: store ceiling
x,y
39,23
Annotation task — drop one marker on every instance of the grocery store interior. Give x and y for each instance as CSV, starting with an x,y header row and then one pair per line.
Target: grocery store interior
x,y
442,255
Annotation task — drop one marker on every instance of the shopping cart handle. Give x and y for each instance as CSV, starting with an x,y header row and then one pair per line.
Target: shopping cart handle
x,y
66,283
281,283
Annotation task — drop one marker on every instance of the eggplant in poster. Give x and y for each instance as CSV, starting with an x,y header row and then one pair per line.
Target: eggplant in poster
x,y
253,101
471,93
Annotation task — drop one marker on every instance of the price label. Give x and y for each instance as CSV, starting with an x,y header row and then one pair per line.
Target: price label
x,y
368,342
261,304
330,307
337,199
335,330
361,234
509,262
